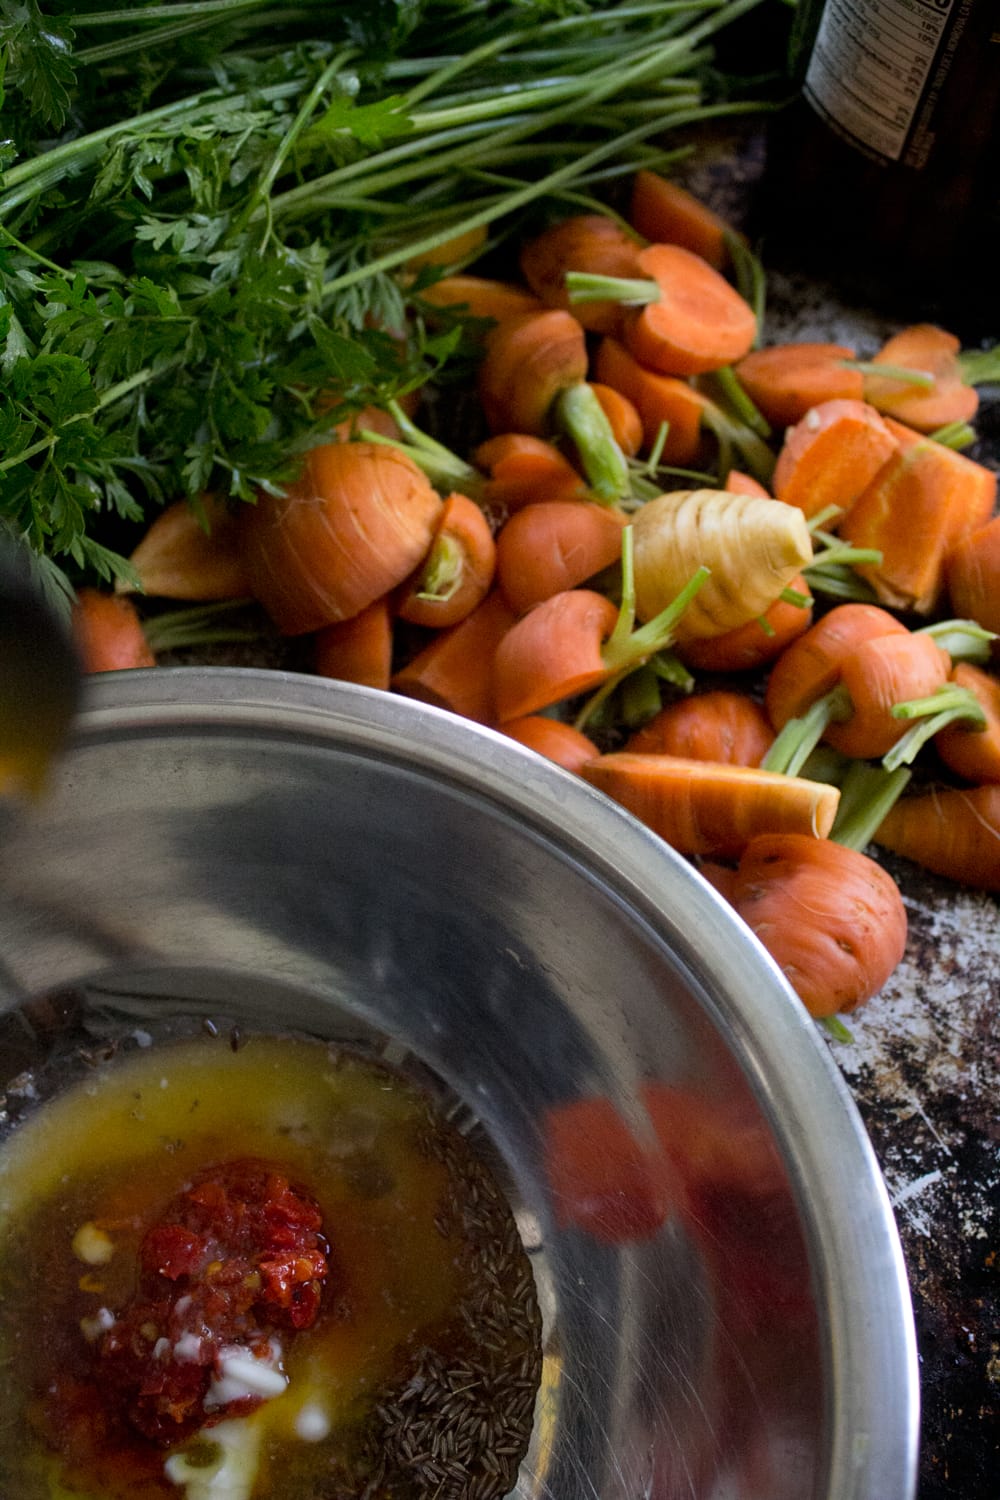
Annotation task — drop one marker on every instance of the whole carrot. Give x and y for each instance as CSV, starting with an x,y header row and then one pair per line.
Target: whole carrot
x,y
716,725
831,917
552,546
810,666
556,740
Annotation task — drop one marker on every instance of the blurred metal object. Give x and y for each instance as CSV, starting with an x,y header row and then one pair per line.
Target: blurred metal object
x,y
39,676
727,1317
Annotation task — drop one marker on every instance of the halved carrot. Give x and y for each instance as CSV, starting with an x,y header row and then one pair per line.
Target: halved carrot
x,y
555,545
666,213
972,575
973,753
583,242
914,509
811,665
455,669
108,632
356,523
457,572
481,297
523,469
933,351
357,650
784,381
758,642
717,725
702,807
698,322
624,419
832,919
556,740
184,555
662,401
831,455
954,833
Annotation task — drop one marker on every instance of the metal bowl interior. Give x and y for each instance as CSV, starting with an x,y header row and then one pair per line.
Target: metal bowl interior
x,y
298,854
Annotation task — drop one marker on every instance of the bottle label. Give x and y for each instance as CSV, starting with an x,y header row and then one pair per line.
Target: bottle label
x,y
870,65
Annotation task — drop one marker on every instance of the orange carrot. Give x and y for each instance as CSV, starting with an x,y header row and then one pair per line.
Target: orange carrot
x,y
555,545
523,468
716,725
624,419
681,316
973,753
932,351
784,381
357,522
918,505
972,575
831,918
457,573
455,669
738,483
373,419
556,740
662,401
756,643
954,833
702,807
877,674
108,632
584,242
666,213
811,665
831,455
602,1179
459,247
481,297
357,650
553,652
532,378
187,556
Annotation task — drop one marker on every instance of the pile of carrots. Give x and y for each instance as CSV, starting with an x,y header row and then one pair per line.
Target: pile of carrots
x,y
631,574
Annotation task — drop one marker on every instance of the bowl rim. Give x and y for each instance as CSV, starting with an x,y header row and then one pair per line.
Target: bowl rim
x,y
862,1284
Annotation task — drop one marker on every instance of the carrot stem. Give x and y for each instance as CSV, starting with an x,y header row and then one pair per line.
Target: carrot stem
x,y
866,794
955,435
949,705
726,384
799,737
580,415
923,379
836,1029
964,640
980,366
630,291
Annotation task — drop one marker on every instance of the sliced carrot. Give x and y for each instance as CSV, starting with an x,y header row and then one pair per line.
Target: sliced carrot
x,y
973,753
356,523
738,483
557,741
523,468
662,401
457,572
811,665
455,669
481,297
108,632
702,807
918,505
666,213
832,919
529,360
583,242
699,321
831,455
758,642
784,381
929,350
181,558
954,833
626,423
716,725
555,545
357,650
972,575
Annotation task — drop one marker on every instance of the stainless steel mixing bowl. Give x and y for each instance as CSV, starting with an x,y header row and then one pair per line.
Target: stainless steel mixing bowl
x,y
726,1315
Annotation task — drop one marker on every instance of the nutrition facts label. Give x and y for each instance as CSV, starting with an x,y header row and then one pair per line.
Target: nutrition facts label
x,y
870,64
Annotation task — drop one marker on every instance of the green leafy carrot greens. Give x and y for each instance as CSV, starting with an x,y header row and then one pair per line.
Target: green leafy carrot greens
x,y
207,208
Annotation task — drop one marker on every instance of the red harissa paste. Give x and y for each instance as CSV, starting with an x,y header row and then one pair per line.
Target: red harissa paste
x,y
236,1265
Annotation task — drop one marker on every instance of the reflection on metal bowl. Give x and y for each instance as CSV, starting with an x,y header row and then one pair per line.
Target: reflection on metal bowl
x,y
724,1306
